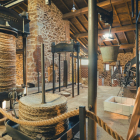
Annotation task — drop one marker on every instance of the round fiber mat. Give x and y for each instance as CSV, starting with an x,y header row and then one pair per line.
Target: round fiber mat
x,y
32,109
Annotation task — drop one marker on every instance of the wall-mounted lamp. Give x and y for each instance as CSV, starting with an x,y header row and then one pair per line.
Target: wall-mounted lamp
x,y
48,2
73,8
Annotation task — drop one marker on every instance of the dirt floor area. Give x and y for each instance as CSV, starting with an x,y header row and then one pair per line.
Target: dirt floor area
x,y
117,122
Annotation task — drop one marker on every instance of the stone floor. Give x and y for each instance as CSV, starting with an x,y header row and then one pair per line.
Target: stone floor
x,y
117,122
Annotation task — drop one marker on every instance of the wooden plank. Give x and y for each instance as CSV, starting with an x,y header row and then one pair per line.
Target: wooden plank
x,y
126,37
117,15
85,9
135,118
117,38
65,5
129,12
113,30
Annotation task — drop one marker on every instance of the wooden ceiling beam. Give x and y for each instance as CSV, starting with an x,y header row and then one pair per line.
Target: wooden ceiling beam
x,y
113,30
117,15
126,37
16,10
65,5
100,24
86,2
24,4
129,12
117,38
21,8
85,9
81,23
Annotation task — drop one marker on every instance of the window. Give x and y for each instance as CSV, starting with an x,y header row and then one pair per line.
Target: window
x,y
107,67
114,67
84,61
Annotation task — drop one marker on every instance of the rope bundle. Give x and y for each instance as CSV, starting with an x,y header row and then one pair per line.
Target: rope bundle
x,y
31,109
7,61
62,117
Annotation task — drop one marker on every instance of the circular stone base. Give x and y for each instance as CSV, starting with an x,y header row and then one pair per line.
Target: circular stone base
x,y
31,109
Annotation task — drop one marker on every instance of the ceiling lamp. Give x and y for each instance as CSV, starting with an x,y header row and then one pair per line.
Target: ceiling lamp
x,y
73,8
108,36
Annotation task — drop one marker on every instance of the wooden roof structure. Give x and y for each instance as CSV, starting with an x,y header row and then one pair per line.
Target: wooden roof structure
x,y
123,28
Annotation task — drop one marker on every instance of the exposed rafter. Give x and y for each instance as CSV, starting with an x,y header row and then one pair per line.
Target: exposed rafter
x,y
81,23
126,37
129,12
85,9
117,15
113,30
117,38
99,23
65,5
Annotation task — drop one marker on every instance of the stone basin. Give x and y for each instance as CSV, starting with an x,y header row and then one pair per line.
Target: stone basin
x,y
120,105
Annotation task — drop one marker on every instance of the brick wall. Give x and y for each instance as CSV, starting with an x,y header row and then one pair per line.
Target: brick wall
x,y
46,26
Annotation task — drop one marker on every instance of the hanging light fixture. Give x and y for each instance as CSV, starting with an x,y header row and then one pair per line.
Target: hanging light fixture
x,y
73,8
108,36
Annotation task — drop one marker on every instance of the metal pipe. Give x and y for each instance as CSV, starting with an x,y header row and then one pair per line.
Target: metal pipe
x,y
132,6
24,63
43,73
38,81
82,124
137,49
59,74
77,73
92,67
1,116
72,77
53,75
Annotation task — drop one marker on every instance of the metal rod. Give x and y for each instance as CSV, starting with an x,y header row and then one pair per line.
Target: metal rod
x,y
53,75
77,73
82,124
43,73
75,76
38,81
137,49
72,77
59,74
132,6
92,67
24,63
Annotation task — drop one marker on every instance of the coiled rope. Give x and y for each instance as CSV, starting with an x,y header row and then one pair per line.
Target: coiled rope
x,y
62,117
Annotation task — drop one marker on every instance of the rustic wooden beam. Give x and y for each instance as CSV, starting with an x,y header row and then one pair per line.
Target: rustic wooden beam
x,y
117,15
129,12
81,23
126,37
86,2
85,9
113,30
117,38
99,23
24,4
21,8
16,10
77,38
65,5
